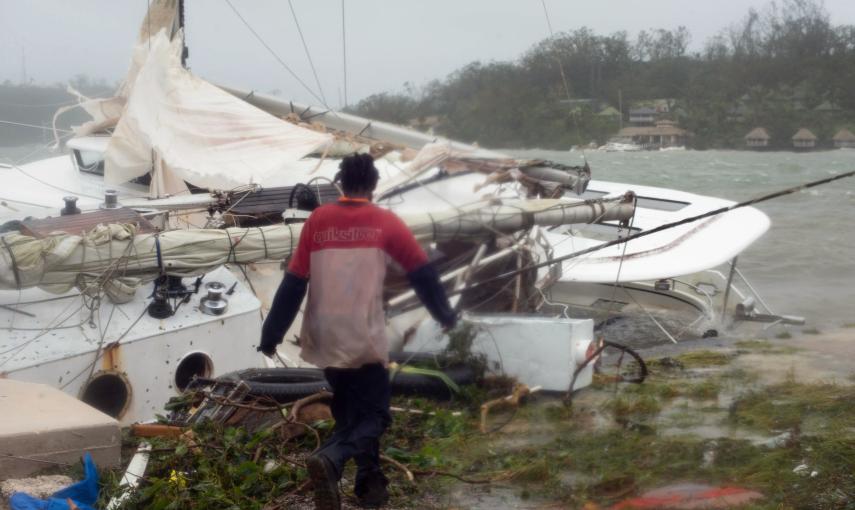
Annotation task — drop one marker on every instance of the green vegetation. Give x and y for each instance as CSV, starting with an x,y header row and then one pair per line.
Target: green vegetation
x,y
765,347
782,67
793,442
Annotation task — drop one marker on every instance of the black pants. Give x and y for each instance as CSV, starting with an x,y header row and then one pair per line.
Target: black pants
x,y
360,407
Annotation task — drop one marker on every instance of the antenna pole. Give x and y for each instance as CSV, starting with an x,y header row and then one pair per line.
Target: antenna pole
x,y
344,51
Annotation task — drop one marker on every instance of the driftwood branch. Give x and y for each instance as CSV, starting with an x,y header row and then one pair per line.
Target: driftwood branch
x,y
400,466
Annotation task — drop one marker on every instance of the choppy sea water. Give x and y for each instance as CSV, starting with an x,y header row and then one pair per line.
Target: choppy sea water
x,y
804,265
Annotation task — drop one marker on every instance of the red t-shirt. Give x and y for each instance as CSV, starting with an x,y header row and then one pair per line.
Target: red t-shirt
x,y
343,251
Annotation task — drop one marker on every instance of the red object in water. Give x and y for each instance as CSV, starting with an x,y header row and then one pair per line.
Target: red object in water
x,y
690,497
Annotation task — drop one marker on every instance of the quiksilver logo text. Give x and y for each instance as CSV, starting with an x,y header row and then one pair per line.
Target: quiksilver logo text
x,y
347,235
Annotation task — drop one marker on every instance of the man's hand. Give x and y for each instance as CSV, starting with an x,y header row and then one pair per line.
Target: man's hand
x,y
267,348
450,324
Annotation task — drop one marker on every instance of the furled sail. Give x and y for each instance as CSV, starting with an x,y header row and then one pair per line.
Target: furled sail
x,y
115,259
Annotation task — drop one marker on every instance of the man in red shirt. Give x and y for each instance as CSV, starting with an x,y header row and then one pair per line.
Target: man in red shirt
x,y
343,250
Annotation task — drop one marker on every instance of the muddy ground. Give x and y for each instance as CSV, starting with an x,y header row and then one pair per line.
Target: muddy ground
x,y
773,415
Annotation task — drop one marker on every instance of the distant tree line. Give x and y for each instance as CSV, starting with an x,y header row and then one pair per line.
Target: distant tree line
x,y
783,67
36,105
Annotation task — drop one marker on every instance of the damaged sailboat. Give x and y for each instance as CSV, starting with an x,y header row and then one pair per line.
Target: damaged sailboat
x,y
180,199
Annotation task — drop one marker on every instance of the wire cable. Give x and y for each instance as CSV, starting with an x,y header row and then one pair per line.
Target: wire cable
x,y
308,54
276,55
22,124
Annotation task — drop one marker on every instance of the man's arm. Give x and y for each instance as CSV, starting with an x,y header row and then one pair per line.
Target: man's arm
x,y
402,246
289,296
285,306
429,289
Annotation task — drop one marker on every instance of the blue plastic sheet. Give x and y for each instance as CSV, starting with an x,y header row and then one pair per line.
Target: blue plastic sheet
x,y
84,493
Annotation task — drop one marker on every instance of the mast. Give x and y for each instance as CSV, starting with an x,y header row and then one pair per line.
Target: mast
x,y
184,51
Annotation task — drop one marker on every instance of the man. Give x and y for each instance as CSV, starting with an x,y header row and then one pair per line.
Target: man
x,y
343,250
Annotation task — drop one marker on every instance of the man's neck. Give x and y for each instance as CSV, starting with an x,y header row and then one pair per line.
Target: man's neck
x,y
358,197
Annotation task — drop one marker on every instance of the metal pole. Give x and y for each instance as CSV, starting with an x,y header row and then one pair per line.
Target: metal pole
x,y
727,289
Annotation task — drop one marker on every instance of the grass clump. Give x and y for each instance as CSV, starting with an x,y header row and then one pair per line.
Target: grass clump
x,y
706,390
792,405
633,406
765,347
811,331
699,359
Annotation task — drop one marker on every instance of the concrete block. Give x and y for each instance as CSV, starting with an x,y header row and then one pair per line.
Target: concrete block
x,y
42,425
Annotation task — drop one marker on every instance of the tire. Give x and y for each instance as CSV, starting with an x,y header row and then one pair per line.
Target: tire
x,y
424,359
282,384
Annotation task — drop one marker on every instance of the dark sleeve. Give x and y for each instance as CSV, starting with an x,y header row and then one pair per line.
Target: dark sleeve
x,y
425,281
285,306
401,245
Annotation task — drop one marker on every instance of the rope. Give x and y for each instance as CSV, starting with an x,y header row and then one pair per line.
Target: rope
x,y
158,253
14,262
263,240
306,49
21,124
231,252
40,181
560,64
275,55
660,228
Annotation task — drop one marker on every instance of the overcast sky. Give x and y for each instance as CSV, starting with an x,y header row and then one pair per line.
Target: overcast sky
x,y
389,42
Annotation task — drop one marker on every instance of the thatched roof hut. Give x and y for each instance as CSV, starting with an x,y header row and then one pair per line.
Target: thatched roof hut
x,y
804,134
844,138
804,139
758,133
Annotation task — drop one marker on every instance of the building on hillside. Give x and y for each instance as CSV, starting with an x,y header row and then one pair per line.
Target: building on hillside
x,y
758,138
844,139
804,139
665,133
643,116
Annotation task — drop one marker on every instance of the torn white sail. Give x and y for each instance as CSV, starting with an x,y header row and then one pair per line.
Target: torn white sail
x,y
116,260
186,128
161,15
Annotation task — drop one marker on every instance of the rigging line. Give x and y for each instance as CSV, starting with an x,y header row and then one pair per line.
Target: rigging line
x,y
611,308
308,54
22,124
344,52
66,103
16,350
660,228
561,71
557,57
649,315
275,55
116,341
49,185
39,149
